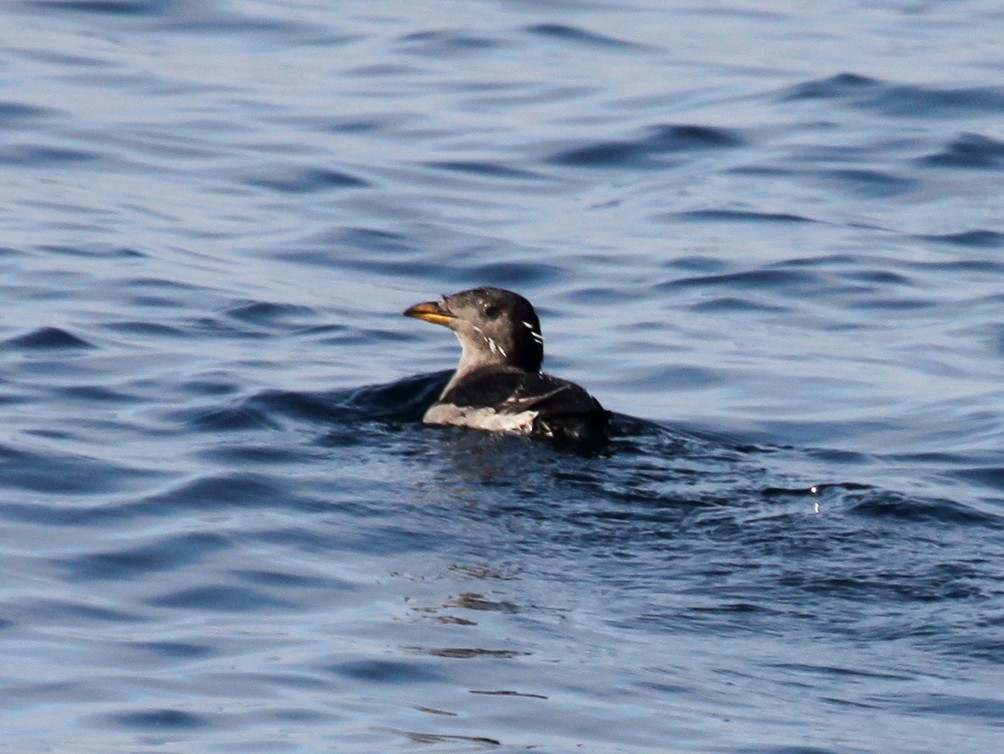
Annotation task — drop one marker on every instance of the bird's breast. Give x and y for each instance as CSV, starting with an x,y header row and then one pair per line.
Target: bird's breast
x,y
481,417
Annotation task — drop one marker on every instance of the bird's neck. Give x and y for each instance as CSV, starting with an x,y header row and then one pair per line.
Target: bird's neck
x,y
470,360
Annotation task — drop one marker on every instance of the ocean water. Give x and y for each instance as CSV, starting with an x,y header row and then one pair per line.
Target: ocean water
x,y
769,239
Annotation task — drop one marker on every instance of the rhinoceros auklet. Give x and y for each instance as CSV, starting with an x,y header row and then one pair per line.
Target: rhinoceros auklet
x,y
498,385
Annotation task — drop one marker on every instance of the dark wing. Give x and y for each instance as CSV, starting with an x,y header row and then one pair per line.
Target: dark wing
x,y
489,386
565,411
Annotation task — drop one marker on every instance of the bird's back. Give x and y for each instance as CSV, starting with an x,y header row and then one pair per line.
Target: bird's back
x,y
529,402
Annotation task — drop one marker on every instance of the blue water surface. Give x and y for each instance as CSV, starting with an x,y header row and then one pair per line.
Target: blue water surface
x,y
769,239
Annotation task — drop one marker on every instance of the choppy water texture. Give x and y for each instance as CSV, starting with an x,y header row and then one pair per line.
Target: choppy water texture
x,y
769,239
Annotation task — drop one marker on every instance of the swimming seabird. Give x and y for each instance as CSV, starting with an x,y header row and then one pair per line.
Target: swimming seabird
x,y
498,385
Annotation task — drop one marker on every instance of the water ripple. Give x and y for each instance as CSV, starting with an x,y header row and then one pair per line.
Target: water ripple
x,y
783,280
18,115
47,338
447,43
160,720
131,562
728,215
577,35
486,169
900,100
222,597
834,87
644,151
983,239
882,504
971,151
305,180
387,671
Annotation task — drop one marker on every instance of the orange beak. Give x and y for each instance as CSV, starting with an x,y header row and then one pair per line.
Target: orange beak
x,y
430,311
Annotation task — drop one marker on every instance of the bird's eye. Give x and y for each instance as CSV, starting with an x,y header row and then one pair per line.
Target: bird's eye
x,y
491,311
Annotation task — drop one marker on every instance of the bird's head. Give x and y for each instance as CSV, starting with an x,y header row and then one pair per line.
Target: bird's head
x,y
494,326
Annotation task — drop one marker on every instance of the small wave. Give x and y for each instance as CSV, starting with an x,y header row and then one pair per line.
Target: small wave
x,y
43,155
94,394
403,401
384,251
180,16
467,653
109,7
71,611
223,419
735,304
879,277
372,239
245,490
48,338
767,279
879,503
212,492
14,115
870,183
306,180
94,252
219,597
676,377
268,313
566,33
276,579
447,739
834,87
644,151
513,273
61,475
969,151
447,43
175,650
146,329
160,720
731,215
900,100
485,168
314,407
980,239
388,671
166,554
915,101
989,476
